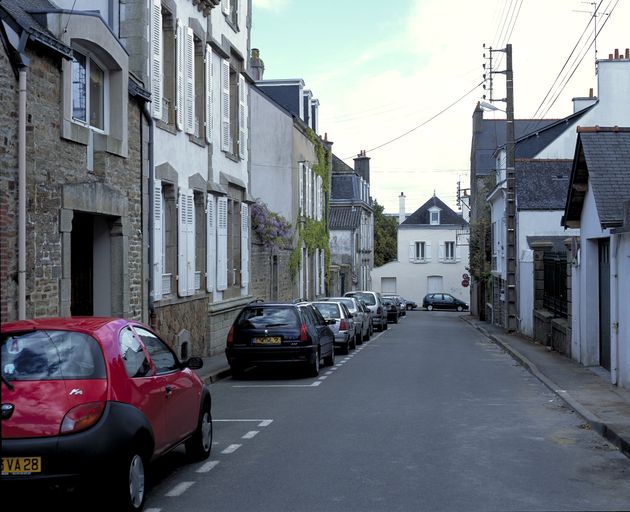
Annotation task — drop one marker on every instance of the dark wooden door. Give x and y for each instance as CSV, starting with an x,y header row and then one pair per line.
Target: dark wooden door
x,y
604,303
82,266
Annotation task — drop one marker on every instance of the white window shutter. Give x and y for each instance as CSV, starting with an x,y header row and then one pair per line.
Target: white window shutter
x,y
182,244
225,105
427,251
412,251
225,7
190,242
189,71
458,253
242,117
316,276
244,245
180,96
156,59
320,198
301,174
322,270
211,240
222,221
157,240
442,252
208,94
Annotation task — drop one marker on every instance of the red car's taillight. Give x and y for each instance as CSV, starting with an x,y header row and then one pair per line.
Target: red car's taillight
x,y
342,325
230,336
303,333
81,417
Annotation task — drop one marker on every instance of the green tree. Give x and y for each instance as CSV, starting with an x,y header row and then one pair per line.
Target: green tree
x,y
385,237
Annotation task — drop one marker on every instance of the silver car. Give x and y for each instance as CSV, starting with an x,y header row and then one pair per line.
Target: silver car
x,y
341,323
360,314
373,301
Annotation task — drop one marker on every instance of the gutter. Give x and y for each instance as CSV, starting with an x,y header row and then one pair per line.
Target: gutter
x,y
22,177
149,118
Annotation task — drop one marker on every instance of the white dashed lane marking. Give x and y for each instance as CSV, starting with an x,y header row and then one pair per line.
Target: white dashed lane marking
x,y
232,448
179,489
250,435
207,466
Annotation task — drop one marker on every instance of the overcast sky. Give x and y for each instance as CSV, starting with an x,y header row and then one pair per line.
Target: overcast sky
x,y
381,69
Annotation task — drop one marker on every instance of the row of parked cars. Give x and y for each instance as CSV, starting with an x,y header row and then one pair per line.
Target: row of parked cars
x,y
308,333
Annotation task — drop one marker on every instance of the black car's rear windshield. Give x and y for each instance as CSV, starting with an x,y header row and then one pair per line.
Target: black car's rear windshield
x,y
368,298
268,316
51,355
328,309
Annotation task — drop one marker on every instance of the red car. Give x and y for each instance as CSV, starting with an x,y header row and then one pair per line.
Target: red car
x,y
94,400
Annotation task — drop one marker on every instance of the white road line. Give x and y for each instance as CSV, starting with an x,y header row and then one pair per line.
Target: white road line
x,y
265,423
329,373
316,383
323,377
179,489
278,386
245,420
152,510
208,466
231,449
250,435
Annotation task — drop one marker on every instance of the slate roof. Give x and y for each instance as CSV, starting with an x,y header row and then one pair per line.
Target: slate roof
x,y
602,162
531,137
422,217
345,187
542,184
24,15
339,166
344,217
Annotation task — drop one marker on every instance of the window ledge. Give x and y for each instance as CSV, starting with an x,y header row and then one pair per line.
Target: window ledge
x,y
197,140
231,156
166,127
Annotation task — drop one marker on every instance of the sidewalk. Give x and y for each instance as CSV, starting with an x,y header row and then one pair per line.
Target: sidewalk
x,y
606,408
603,406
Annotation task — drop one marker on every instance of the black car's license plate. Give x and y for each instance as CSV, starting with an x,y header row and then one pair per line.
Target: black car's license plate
x,y
21,465
269,340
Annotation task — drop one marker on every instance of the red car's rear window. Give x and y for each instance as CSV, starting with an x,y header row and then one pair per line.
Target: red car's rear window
x,y
51,355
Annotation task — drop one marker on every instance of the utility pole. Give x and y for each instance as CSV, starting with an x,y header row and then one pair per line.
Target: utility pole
x,y
510,194
510,181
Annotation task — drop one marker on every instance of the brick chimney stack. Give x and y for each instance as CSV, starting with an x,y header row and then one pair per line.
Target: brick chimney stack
x,y
362,165
256,65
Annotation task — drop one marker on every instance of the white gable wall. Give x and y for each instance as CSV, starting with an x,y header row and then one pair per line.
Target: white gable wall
x,y
412,278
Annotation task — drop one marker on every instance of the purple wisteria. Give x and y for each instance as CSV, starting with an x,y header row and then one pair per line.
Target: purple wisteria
x,y
272,228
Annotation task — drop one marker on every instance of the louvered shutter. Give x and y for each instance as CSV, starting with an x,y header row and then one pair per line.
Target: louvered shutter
x,y
320,198
322,270
191,265
316,276
458,253
244,245
211,240
427,251
242,117
442,251
156,59
189,72
222,221
182,244
225,7
157,240
301,173
412,251
180,96
208,94
225,105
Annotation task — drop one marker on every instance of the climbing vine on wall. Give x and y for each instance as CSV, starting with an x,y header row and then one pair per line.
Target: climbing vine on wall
x,y
312,233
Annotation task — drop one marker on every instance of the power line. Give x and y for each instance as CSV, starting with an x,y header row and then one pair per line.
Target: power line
x,y
421,124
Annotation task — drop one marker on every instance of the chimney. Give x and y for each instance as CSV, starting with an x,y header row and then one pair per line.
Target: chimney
x,y
401,208
362,165
256,65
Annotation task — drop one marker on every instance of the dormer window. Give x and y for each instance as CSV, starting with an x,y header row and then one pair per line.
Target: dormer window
x,y
434,215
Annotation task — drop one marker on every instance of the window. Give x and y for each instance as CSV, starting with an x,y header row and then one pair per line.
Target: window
x,y
233,109
88,91
434,214
233,241
230,10
419,253
163,359
134,358
200,241
449,253
167,67
165,238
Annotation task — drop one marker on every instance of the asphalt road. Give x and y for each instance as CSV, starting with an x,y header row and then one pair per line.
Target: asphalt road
x,y
428,415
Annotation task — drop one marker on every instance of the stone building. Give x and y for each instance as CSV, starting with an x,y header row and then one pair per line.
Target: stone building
x,y
72,168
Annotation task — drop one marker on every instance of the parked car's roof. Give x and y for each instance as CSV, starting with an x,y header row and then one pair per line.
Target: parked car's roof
x,y
84,323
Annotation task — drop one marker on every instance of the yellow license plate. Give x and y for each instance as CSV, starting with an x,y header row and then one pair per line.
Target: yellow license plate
x,y
269,340
21,465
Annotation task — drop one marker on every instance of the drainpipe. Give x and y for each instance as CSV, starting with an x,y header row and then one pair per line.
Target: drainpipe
x,y
614,312
22,178
149,118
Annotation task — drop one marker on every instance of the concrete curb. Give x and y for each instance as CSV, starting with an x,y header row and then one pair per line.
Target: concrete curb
x,y
218,375
598,425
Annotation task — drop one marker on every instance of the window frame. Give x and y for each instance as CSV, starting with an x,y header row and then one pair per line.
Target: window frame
x,y
90,60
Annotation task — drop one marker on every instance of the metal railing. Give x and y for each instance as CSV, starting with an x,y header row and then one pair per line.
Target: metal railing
x,y
555,283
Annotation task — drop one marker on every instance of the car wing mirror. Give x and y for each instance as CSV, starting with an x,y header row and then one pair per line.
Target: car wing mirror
x,y
194,363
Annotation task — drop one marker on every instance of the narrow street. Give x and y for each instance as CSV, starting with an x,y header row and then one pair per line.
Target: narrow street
x,y
428,415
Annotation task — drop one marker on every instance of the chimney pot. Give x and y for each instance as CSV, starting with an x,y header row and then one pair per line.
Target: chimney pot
x,y
627,53
616,53
590,92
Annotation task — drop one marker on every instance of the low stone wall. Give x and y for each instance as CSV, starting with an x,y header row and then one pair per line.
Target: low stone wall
x,y
542,326
561,336
220,318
